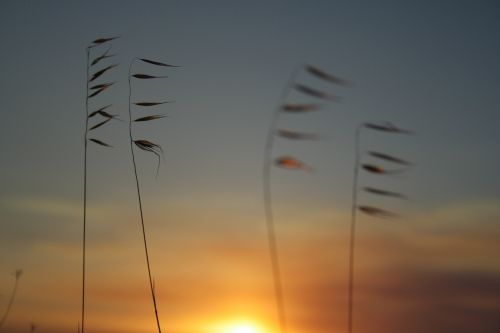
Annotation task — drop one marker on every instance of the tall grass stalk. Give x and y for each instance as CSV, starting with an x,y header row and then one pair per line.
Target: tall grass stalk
x,y
370,210
288,162
88,96
146,146
268,206
352,239
85,139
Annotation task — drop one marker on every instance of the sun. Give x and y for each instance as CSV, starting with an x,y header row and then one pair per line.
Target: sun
x,y
243,328
237,326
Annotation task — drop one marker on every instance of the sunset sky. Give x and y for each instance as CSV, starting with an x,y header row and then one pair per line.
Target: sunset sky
x,y
429,66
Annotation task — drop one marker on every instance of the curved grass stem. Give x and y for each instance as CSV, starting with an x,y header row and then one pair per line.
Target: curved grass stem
x,y
269,215
151,283
354,209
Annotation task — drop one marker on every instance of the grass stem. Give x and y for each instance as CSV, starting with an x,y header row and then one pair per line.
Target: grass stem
x,y
151,284
85,188
354,210
268,207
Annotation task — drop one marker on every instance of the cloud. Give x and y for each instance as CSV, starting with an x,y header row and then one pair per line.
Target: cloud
x,y
56,222
57,208
435,272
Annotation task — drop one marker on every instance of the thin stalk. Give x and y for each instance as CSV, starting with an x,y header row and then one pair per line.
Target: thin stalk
x,y
354,211
271,233
85,186
11,301
151,284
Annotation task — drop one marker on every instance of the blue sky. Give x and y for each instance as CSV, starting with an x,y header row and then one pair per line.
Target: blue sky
x,y
428,66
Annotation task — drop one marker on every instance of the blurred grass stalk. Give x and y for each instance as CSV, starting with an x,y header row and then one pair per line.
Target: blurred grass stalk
x,y
289,162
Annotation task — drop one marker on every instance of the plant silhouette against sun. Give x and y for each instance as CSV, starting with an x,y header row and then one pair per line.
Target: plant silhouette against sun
x,y
288,161
92,90
371,210
148,146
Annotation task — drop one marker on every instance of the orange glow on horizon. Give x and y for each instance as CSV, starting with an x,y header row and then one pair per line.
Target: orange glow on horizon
x,y
236,326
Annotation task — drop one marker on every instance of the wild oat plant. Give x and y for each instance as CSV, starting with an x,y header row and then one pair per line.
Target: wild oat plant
x,y
288,161
17,275
93,89
148,146
399,166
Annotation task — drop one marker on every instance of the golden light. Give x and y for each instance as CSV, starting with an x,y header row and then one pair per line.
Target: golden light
x,y
243,328
237,326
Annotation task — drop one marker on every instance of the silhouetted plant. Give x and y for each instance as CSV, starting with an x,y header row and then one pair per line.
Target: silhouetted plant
x,y
17,275
149,147
91,92
288,161
370,209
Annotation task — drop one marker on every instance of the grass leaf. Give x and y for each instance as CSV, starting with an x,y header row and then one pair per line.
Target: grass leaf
x,y
373,190
107,115
379,170
326,76
100,72
300,107
294,135
102,85
152,148
373,168
390,158
100,90
148,145
387,127
146,76
101,57
157,63
104,40
99,142
149,103
316,93
99,124
99,111
292,163
376,212
152,117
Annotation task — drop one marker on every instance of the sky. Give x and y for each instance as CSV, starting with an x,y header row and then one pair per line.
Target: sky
x,y
429,66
